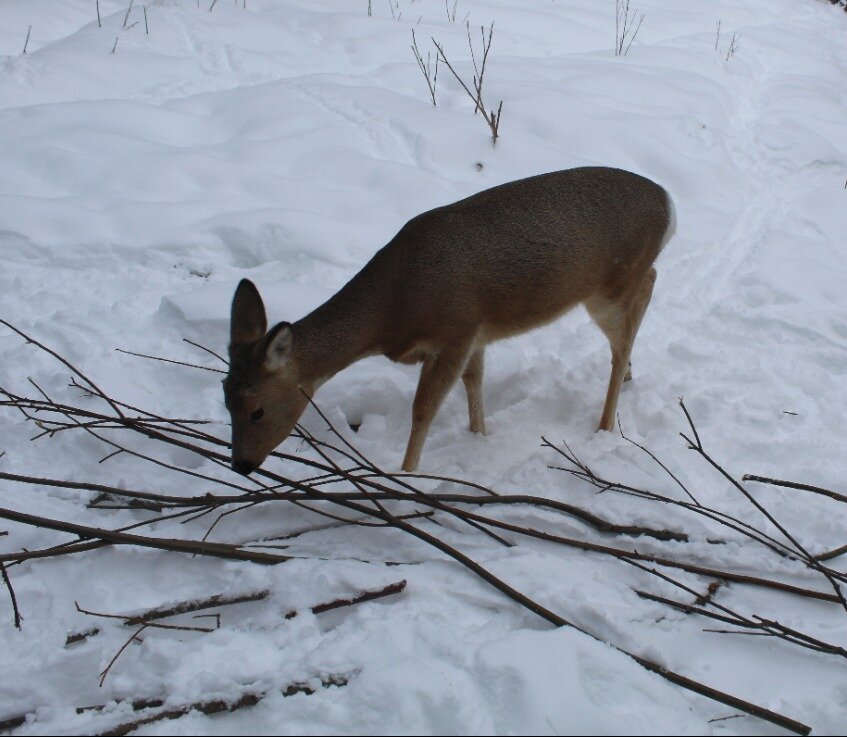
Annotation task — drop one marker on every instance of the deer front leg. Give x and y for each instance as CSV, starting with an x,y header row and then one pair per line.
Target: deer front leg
x,y
438,373
472,378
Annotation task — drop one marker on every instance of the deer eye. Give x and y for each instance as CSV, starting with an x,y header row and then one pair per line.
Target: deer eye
x,y
257,415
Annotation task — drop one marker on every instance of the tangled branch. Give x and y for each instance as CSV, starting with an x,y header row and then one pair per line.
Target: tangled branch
x,y
342,485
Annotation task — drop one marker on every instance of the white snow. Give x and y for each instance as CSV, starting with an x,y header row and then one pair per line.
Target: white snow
x,y
288,141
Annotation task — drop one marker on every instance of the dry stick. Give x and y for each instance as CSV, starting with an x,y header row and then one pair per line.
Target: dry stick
x,y
559,621
63,360
111,490
81,635
586,474
794,485
217,706
128,11
338,470
630,555
215,550
490,117
208,350
8,582
157,625
196,605
733,47
370,466
656,459
170,360
598,523
136,704
142,456
832,554
26,43
592,547
146,27
808,557
390,590
132,638
213,501
162,612
80,546
99,24
432,477
623,26
769,627
41,405
13,722
431,79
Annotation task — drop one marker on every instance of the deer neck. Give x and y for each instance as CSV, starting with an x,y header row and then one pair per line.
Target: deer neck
x,y
338,333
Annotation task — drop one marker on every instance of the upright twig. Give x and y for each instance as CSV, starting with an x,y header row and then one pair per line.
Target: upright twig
x,y
491,116
426,68
6,580
451,15
26,43
626,28
128,11
732,49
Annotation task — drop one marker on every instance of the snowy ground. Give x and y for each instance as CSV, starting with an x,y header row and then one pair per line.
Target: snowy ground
x,y
286,142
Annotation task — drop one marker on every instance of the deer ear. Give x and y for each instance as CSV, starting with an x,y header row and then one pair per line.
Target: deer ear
x,y
279,346
248,322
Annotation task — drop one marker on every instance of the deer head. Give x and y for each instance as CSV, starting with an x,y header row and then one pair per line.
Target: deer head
x,y
262,391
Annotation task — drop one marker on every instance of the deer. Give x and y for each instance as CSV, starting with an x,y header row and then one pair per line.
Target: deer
x,y
454,279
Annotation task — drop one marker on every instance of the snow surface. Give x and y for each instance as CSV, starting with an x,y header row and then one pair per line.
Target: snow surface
x,y
286,142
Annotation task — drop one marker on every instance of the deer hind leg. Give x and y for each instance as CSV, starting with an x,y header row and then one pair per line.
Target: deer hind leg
x,y
620,319
472,379
438,373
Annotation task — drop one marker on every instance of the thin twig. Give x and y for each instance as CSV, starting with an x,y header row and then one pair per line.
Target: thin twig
x,y
6,580
794,485
170,360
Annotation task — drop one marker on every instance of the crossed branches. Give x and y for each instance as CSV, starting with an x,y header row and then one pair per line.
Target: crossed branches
x,y
346,488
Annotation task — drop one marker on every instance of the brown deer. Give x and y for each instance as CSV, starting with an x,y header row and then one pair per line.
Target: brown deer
x,y
454,279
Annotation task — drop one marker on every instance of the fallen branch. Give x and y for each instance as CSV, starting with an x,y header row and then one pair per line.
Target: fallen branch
x,y
372,501
216,550
794,485
217,706
390,590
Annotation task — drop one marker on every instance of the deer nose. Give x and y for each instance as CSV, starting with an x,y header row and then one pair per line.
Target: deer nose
x,y
245,468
